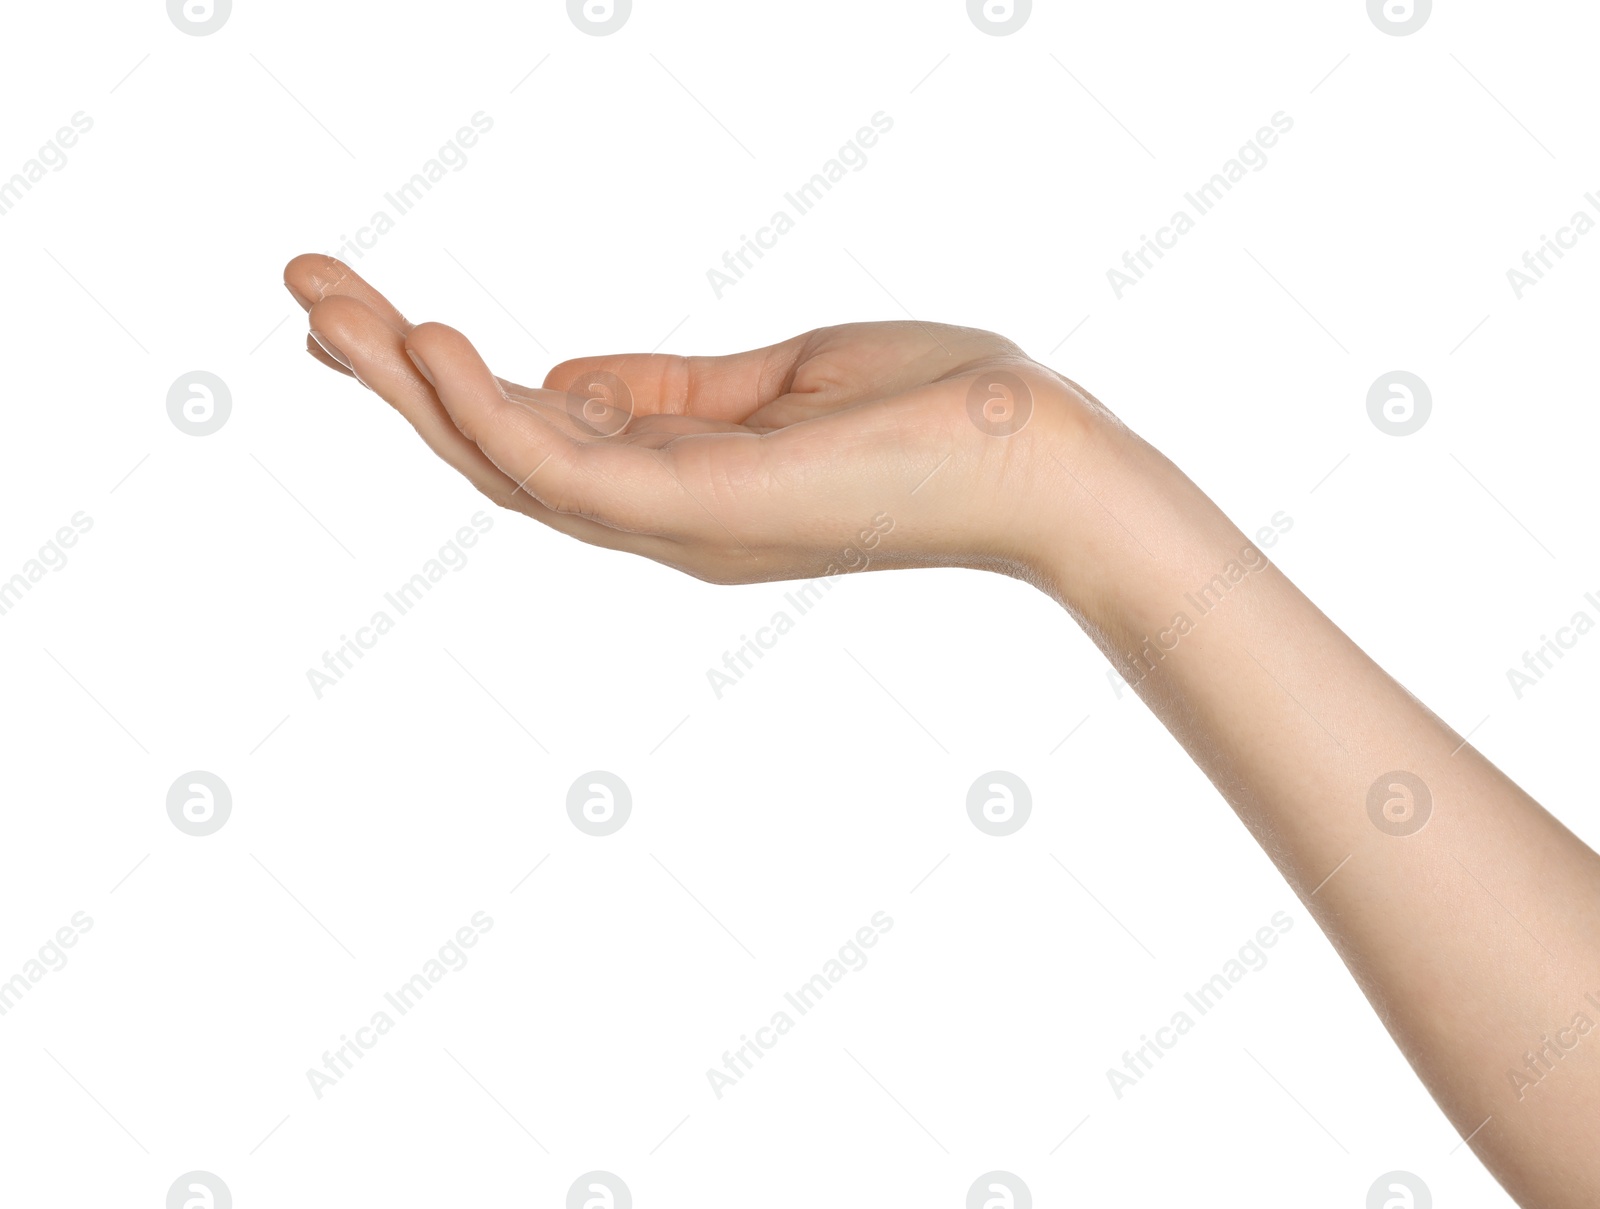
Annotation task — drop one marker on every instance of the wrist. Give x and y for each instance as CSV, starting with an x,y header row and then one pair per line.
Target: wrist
x,y
1122,535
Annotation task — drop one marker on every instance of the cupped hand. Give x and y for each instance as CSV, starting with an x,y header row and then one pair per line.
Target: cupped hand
x,y
870,444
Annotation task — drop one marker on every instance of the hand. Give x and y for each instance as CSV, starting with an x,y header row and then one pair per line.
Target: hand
x,y
785,462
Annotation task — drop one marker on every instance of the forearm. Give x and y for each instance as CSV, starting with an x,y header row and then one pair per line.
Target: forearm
x,y
1477,934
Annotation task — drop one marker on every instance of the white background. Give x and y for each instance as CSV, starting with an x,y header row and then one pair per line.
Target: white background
x,y
769,825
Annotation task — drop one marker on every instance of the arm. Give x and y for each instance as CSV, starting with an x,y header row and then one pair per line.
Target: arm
x,y
1469,915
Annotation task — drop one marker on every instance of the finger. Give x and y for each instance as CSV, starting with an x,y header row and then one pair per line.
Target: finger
x,y
376,356
717,388
599,405
623,486
378,359
317,351
313,277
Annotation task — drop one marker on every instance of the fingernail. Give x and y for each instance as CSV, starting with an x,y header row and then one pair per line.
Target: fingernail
x,y
331,350
298,296
421,368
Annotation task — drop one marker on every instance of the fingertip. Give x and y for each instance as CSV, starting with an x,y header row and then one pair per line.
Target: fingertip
x,y
434,338
441,352
305,262
300,266
561,376
311,276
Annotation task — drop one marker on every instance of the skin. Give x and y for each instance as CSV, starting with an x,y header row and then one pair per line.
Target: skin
x,y
1476,937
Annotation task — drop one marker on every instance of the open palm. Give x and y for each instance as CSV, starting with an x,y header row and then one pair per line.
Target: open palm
x,y
761,465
